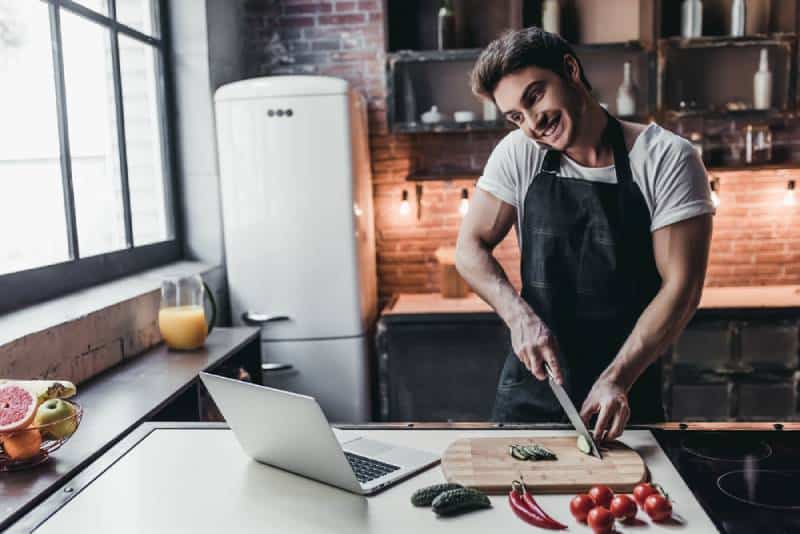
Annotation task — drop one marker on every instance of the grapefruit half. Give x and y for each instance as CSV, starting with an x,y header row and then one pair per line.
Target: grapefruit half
x,y
17,408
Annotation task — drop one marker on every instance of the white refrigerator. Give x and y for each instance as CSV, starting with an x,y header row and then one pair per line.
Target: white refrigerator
x,y
299,235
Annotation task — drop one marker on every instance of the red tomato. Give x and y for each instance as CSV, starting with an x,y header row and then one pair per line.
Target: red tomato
x,y
580,506
601,495
600,520
623,507
642,491
657,507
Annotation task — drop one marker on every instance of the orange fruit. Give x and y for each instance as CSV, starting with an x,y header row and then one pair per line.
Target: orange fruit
x,y
23,444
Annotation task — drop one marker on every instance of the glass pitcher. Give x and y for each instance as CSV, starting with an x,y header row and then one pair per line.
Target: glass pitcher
x,y
182,317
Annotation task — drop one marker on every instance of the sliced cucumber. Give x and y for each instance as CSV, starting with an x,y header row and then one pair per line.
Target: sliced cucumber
x,y
583,445
519,453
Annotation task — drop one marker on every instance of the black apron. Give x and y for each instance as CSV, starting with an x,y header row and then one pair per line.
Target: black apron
x,y
588,272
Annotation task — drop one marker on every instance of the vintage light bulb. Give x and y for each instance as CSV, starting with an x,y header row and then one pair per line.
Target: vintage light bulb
x,y
463,208
405,207
714,195
789,198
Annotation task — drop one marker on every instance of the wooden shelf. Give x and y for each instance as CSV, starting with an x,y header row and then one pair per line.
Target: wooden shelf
x,y
444,174
789,165
722,41
733,114
452,127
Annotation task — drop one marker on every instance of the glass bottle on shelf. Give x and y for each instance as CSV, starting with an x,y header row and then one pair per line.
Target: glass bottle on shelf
x,y
762,83
627,93
757,144
738,18
551,16
446,26
691,19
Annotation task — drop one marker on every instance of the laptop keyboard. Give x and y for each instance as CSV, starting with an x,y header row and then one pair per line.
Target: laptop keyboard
x,y
367,469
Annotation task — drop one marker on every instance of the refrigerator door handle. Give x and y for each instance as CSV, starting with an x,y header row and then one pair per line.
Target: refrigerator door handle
x,y
274,367
259,319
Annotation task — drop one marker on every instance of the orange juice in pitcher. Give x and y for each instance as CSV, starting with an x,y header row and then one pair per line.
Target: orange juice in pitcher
x,y
182,317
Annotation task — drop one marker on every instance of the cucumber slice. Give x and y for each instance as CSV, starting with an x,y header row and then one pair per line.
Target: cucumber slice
x,y
583,445
519,453
543,453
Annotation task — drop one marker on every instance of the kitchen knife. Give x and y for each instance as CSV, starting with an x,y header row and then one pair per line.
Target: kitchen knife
x,y
572,414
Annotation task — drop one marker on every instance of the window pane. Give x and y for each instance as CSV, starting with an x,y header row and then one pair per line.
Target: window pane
x,y
31,197
101,6
94,149
140,81
141,15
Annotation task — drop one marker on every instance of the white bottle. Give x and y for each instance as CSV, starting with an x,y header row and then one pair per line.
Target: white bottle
x,y
627,93
551,16
738,18
762,83
489,110
691,19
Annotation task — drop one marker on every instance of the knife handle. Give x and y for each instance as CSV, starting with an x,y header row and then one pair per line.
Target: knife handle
x,y
549,371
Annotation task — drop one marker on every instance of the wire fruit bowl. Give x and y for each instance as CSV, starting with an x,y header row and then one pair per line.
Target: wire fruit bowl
x,y
25,437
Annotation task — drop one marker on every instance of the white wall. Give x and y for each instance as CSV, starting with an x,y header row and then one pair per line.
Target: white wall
x,y
207,52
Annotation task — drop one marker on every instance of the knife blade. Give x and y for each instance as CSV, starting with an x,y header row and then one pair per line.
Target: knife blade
x,y
572,414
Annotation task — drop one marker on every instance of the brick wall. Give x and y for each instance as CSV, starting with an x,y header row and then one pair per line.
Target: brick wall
x,y
755,240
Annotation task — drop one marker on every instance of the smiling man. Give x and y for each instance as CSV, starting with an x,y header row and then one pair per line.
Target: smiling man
x,y
613,219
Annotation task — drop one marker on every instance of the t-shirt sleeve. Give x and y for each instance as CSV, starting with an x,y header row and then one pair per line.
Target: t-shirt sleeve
x,y
681,186
500,175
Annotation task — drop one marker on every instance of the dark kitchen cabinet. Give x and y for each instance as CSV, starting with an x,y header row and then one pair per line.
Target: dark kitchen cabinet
x,y
439,367
735,366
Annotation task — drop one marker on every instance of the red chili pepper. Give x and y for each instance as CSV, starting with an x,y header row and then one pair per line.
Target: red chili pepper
x,y
526,509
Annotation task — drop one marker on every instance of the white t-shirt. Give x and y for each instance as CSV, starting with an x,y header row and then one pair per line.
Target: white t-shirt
x,y
665,166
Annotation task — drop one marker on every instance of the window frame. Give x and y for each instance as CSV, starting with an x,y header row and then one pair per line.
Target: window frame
x,y
23,288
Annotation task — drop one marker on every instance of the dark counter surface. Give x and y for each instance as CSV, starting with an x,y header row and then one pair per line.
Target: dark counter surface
x,y
114,403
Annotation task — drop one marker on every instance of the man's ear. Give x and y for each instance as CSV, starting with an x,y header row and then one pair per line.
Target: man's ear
x,y
572,70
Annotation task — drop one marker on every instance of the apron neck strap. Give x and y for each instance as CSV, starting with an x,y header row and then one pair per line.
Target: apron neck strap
x,y
613,134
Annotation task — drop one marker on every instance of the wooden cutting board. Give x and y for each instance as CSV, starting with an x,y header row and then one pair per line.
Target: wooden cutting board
x,y
485,464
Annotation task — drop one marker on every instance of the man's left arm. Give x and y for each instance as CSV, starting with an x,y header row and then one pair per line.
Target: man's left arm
x,y
681,254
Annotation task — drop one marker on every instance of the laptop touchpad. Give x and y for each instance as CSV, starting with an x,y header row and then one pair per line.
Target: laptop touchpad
x,y
367,447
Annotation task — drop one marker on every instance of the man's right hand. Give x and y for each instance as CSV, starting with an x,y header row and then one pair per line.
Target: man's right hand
x,y
534,343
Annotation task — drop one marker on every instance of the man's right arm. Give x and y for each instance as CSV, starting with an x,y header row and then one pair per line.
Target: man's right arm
x,y
485,225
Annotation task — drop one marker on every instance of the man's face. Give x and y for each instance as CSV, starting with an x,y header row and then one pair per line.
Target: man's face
x,y
543,104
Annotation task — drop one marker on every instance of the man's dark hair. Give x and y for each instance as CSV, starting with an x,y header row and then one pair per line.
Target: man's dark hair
x,y
517,49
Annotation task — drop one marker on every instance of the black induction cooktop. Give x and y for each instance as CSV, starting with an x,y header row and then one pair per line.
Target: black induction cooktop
x,y
747,481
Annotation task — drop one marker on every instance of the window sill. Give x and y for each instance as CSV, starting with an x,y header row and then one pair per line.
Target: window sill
x,y
78,335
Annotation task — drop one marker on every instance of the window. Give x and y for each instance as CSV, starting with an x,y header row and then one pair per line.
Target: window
x,y
84,154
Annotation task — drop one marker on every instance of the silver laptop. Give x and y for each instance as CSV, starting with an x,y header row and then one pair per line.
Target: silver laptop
x,y
289,431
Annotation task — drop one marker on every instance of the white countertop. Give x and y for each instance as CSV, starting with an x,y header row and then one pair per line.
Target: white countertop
x,y
199,480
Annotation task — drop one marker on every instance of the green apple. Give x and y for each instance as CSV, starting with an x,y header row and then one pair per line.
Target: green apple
x,y
54,410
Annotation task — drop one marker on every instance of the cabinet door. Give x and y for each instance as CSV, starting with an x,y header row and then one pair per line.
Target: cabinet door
x,y
705,345
773,343
440,371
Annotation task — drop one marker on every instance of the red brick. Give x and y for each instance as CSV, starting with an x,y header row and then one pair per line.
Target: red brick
x,y
345,6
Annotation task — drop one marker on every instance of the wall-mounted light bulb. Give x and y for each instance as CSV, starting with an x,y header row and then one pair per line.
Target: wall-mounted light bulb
x,y
405,207
357,211
714,195
789,197
463,208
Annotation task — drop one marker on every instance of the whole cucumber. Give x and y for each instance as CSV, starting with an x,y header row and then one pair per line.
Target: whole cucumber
x,y
425,496
457,501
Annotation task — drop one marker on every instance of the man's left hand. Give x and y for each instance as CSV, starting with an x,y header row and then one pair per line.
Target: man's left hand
x,y
610,401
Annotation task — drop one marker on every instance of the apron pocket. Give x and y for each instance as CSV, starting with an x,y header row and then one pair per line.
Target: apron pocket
x,y
541,257
598,263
